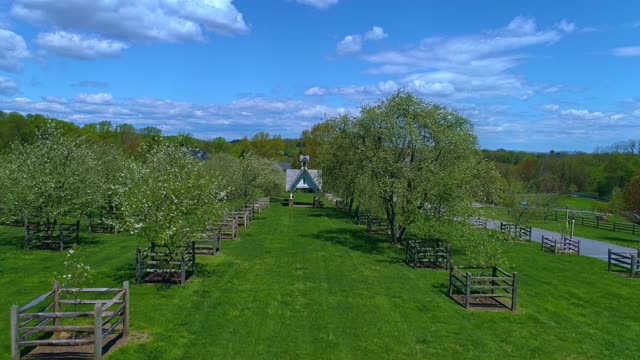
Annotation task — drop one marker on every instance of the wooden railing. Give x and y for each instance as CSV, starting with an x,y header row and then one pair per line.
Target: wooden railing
x,y
519,231
563,245
47,315
171,264
476,283
52,235
629,262
427,253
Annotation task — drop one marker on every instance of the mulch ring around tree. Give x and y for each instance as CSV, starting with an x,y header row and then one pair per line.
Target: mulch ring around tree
x,y
83,352
482,303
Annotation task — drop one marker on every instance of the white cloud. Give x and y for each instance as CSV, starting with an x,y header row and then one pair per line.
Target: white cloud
x,y
13,50
626,51
320,4
566,26
98,98
551,107
54,99
8,87
352,44
315,91
78,46
349,45
376,33
238,118
582,114
143,20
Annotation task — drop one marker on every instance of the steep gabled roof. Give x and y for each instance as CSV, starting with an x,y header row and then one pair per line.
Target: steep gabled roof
x,y
309,180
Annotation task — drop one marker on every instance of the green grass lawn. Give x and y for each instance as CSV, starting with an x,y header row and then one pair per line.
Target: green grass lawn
x,y
304,283
578,203
620,238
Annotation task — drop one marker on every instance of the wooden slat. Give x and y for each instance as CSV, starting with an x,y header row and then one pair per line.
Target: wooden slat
x,y
59,315
113,314
79,328
36,301
90,290
115,324
56,342
116,299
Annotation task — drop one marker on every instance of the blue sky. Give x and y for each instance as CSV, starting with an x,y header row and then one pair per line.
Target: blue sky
x,y
531,75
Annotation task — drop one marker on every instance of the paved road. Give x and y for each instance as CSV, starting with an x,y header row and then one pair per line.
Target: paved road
x,y
588,247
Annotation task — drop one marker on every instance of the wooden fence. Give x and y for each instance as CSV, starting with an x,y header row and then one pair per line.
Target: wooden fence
x,y
166,263
101,226
483,286
479,222
427,253
629,262
377,226
519,231
593,220
228,227
206,242
51,235
563,245
47,314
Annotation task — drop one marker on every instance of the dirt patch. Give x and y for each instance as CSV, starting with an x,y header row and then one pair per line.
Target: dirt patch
x,y
483,303
85,351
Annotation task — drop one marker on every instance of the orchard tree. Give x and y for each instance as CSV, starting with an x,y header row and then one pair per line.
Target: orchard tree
x,y
53,177
171,193
420,159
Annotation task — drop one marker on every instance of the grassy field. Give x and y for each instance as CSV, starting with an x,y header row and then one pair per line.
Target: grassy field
x,y
304,283
578,203
620,238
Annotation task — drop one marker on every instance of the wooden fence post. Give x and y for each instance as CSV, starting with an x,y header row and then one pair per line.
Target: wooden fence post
x,y
56,301
609,260
138,266
555,246
183,270
633,264
97,332
450,280
15,348
514,292
125,323
467,291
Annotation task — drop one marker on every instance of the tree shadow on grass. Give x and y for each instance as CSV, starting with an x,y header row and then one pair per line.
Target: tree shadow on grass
x,y
354,239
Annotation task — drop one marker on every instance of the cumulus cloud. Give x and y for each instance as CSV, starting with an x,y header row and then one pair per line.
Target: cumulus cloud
x,y
234,119
376,33
98,98
79,46
8,87
320,4
455,67
582,114
566,26
144,20
352,44
13,50
626,51
551,107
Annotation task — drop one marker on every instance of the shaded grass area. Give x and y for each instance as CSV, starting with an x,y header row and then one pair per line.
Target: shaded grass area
x,y
303,283
579,203
620,238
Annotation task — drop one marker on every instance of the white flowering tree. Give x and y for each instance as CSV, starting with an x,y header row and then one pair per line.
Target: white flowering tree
x,y
54,177
170,194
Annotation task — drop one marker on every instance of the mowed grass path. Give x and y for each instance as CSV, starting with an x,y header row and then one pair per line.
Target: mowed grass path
x,y
304,283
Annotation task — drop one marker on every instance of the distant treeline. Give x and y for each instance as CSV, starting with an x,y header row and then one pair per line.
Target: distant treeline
x,y
17,127
598,173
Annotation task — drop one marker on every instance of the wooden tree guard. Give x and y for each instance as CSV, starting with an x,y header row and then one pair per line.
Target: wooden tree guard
x,y
228,227
51,235
479,222
427,253
242,218
32,322
101,226
170,263
377,226
519,231
564,245
629,262
206,242
488,286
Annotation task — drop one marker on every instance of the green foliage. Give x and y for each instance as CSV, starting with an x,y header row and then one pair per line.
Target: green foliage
x,y
170,194
76,272
55,176
419,159
247,178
